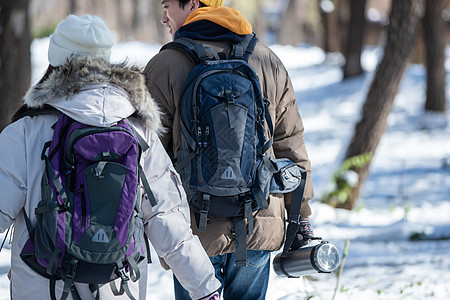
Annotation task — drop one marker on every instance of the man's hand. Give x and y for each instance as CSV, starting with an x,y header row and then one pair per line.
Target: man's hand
x,y
304,234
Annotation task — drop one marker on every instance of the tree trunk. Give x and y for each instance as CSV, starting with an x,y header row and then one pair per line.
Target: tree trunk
x,y
329,14
136,18
404,18
355,36
291,28
434,29
73,6
15,60
120,19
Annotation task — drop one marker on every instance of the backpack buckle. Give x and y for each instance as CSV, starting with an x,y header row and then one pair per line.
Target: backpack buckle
x,y
69,168
204,213
71,268
229,96
248,200
123,274
65,206
205,203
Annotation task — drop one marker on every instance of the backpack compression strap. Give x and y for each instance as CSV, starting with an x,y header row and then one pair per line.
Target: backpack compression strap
x,y
134,276
54,178
259,194
68,281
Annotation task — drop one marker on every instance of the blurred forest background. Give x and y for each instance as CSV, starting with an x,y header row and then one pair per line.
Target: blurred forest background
x,y
410,31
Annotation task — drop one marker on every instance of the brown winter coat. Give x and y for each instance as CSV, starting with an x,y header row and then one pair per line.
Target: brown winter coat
x,y
166,74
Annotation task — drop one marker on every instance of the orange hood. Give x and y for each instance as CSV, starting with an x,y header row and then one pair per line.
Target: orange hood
x,y
227,17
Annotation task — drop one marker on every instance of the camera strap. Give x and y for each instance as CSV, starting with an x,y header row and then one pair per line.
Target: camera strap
x,y
294,215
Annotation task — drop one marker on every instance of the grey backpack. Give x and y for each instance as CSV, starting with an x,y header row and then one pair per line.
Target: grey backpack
x,y
89,226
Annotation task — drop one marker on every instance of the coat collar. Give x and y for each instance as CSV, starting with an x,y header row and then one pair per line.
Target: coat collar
x,y
77,73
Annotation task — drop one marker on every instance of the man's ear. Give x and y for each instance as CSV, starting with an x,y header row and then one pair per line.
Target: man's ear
x,y
194,4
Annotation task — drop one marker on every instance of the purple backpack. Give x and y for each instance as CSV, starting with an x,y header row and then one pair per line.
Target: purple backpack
x,y
89,225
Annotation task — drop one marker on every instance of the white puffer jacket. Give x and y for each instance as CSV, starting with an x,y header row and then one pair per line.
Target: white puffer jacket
x,y
99,94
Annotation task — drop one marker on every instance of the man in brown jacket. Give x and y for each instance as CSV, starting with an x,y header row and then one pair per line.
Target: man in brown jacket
x,y
218,27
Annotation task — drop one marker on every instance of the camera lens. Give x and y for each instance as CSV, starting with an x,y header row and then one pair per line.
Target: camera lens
x,y
326,257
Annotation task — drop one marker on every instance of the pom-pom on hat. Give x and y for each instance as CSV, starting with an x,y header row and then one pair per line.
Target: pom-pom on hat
x,y
213,3
80,36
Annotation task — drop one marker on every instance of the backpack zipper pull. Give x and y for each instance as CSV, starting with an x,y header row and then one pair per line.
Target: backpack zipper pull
x,y
205,143
199,134
230,103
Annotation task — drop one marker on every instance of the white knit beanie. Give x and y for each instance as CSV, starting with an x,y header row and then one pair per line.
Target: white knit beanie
x,y
80,36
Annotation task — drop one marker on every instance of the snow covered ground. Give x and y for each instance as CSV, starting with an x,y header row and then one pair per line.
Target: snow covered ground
x,y
407,193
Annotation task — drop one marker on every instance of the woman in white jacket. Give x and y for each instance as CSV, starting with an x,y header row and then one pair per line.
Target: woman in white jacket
x,y
83,84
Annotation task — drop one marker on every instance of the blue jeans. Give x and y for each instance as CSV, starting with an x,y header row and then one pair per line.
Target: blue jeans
x,y
238,283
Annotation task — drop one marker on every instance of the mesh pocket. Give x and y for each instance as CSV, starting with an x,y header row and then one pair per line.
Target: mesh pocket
x,y
47,222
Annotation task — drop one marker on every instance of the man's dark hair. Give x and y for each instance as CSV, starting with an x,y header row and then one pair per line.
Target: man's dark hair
x,y
184,2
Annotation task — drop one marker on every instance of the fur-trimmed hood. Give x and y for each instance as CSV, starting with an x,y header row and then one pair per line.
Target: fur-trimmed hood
x,y
97,93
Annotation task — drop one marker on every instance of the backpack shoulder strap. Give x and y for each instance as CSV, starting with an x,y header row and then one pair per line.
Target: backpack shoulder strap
x,y
142,142
197,52
244,49
144,146
25,110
